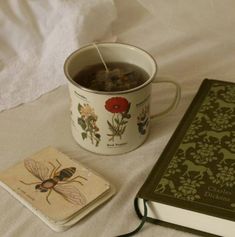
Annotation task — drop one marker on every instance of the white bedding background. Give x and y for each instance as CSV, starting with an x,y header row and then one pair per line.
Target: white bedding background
x,y
191,40
37,36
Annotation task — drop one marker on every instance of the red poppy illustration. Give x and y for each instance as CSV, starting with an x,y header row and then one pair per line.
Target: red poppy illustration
x,y
119,107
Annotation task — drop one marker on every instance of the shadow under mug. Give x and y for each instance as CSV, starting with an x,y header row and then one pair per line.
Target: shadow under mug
x,y
112,123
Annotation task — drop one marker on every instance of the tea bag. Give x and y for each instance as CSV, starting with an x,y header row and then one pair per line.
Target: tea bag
x,y
114,79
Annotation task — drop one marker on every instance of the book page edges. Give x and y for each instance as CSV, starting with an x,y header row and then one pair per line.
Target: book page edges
x,y
187,218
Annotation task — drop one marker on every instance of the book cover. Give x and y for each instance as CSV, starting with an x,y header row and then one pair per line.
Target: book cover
x,y
196,170
57,189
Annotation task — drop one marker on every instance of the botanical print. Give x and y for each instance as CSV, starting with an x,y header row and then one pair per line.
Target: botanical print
x,y
119,107
58,179
206,152
207,104
224,176
192,132
143,119
229,95
87,121
188,189
203,167
229,141
174,166
222,119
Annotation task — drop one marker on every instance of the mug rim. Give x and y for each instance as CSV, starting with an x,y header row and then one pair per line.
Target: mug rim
x,y
150,79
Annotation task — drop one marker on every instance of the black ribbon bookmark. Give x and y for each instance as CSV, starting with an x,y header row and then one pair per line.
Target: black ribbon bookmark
x,y
143,220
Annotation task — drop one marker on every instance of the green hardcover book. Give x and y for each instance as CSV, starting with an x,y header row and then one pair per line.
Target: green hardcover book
x,y
193,182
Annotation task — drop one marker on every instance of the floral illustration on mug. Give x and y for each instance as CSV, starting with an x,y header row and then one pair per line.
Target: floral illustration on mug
x,y
87,121
143,120
119,107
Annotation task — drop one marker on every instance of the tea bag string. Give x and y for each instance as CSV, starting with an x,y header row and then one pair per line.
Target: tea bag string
x,y
101,57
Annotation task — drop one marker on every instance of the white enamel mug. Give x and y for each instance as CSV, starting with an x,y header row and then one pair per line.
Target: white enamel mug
x,y
117,122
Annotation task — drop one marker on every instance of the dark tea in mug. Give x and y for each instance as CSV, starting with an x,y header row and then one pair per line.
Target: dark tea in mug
x,y
119,77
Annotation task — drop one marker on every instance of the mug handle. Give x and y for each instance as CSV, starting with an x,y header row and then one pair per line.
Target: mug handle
x,y
176,100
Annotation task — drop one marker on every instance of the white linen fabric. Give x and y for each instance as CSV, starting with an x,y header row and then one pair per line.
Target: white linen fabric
x,y
190,40
37,36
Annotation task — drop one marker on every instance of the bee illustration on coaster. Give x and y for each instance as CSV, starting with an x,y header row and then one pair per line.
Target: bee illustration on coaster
x,y
58,180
